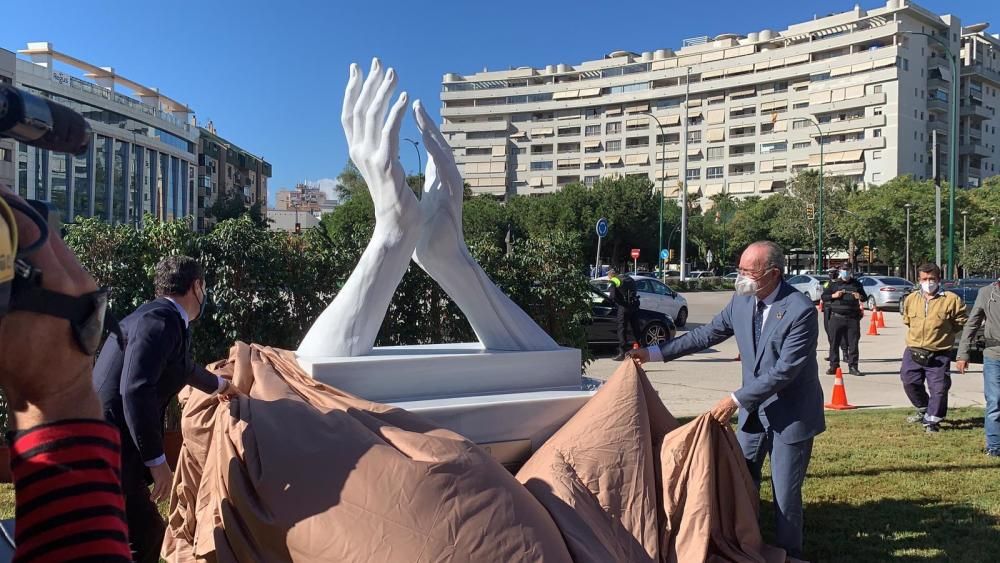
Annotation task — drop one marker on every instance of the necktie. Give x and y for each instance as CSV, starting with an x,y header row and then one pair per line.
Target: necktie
x,y
758,322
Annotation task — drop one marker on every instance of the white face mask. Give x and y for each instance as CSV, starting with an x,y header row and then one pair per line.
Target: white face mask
x,y
746,286
929,286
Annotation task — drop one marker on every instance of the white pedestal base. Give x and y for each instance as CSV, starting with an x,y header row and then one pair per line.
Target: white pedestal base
x,y
406,373
505,399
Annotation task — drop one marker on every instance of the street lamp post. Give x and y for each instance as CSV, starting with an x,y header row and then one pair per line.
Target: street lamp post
x,y
908,206
965,232
952,142
416,147
683,171
663,180
819,245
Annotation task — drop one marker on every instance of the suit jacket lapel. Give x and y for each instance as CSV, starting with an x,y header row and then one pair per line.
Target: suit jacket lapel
x,y
774,316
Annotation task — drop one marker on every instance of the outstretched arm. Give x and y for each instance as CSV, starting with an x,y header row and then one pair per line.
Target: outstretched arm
x,y
349,326
498,322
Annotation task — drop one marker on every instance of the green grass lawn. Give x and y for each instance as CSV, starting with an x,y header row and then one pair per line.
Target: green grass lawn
x,y
880,489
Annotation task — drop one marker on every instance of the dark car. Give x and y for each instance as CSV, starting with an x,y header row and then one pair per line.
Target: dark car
x,y
654,327
967,288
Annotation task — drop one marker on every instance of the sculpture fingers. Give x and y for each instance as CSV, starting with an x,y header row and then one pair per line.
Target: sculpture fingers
x,y
372,82
375,115
351,94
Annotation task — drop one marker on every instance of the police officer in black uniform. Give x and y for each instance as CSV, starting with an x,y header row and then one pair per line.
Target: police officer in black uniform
x,y
842,298
624,295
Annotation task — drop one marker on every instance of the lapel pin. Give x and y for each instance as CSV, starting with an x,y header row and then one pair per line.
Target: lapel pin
x,y
780,314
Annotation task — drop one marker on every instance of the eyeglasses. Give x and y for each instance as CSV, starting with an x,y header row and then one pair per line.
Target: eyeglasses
x,y
755,274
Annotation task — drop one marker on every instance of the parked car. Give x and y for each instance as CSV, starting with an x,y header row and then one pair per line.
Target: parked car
x,y
654,327
654,295
967,289
696,274
731,276
811,285
885,292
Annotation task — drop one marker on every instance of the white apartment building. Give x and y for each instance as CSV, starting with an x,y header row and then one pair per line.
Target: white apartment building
x,y
876,92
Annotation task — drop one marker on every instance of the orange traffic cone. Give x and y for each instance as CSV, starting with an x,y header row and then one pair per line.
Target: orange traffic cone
x,y
873,327
881,317
839,399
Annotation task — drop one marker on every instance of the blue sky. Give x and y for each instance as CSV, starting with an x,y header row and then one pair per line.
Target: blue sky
x,y
271,75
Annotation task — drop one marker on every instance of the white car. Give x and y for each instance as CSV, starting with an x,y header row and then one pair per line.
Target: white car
x,y
811,285
700,274
655,295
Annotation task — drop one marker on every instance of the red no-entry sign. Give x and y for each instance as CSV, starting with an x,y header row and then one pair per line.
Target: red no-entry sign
x,y
635,253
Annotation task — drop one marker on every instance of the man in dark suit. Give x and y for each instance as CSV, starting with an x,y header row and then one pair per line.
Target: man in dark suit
x,y
136,384
781,401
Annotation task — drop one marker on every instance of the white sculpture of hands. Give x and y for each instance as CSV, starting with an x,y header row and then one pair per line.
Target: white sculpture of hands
x,y
497,321
349,326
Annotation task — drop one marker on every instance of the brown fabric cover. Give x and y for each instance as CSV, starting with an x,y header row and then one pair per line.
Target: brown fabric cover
x,y
299,471
624,483
598,475
709,499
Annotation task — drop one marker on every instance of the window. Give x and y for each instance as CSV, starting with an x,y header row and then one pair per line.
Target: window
x,y
801,124
876,155
713,172
478,151
542,165
639,86
613,145
877,89
541,149
800,105
774,147
693,173
667,103
905,64
876,133
696,120
694,136
592,130
878,110
635,142
594,148
715,153
801,145
569,131
592,166
590,180
781,86
876,177
5,155
592,113
613,128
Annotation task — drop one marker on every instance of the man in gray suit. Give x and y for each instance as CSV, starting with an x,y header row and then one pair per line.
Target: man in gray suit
x,y
781,401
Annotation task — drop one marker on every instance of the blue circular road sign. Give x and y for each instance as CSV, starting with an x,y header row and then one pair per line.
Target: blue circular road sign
x,y
602,227
664,254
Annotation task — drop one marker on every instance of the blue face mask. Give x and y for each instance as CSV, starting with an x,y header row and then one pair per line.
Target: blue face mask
x,y
844,274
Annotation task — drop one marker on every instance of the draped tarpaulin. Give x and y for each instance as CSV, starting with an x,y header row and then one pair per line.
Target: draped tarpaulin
x,y
301,471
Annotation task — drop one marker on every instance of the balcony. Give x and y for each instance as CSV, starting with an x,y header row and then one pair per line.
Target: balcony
x,y
975,148
976,111
936,105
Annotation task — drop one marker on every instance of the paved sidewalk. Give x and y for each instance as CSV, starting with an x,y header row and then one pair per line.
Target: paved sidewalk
x,y
692,385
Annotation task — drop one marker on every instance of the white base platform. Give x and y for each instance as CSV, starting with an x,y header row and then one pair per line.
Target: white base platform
x,y
406,373
484,419
511,402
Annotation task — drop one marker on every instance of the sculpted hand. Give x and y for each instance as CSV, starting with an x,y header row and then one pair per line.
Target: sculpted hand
x,y
723,410
373,142
442,253
349,326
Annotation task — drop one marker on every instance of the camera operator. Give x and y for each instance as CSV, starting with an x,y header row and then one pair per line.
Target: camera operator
x,y
65,459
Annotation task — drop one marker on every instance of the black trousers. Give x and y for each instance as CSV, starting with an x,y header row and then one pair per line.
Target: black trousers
x,y
627,318
846,333
145,525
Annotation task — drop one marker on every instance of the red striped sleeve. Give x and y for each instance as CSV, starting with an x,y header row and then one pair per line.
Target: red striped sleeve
x,y
67,478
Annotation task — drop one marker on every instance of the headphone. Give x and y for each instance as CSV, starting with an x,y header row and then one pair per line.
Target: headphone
x,y
21,284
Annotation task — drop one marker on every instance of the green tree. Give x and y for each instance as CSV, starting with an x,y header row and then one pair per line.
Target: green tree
x,y
982,257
